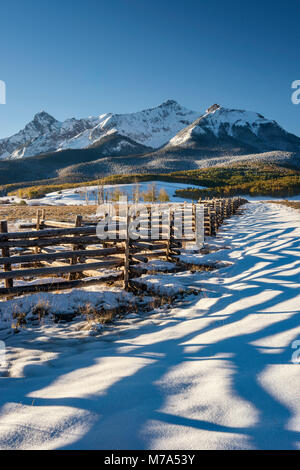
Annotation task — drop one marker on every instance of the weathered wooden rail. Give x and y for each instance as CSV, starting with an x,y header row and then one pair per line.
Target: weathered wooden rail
x,y
73,255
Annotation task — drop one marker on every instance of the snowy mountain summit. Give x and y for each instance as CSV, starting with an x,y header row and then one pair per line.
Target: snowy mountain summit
x,y
43,134
151,128
233,128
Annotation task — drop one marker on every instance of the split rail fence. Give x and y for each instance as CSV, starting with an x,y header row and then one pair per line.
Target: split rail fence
x,y
72,255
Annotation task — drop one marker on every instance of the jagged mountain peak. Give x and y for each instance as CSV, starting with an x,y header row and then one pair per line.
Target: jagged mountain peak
x,y
222,119
42,120
42,115
151,128
169,103
218,119
222,127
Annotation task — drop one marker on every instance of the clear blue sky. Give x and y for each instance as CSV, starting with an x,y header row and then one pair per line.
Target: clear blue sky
x,y
80,58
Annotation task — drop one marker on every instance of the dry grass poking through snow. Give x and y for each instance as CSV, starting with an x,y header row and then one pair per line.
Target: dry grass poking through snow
x,y
24,313
293,204
14,213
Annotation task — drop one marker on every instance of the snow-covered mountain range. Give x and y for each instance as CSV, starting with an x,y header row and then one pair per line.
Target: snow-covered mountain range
x,y
162,139
151,128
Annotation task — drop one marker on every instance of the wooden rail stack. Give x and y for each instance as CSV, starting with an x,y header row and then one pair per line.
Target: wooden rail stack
x,y
74,254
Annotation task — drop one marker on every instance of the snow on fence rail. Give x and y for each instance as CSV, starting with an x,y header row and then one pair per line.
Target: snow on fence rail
x,y
59,249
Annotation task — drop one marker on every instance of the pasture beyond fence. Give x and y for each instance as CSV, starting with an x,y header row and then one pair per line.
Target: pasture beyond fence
x,y
72,255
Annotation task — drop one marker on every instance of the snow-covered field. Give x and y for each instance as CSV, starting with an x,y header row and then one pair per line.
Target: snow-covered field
x,y
213,372
78,195
88,194
268,198
84,195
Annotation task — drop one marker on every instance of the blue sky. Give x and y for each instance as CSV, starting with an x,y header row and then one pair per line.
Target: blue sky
x,y
76,58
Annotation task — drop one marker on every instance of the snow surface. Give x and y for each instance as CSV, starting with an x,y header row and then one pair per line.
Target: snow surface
x,y
77,195
63,303
214,372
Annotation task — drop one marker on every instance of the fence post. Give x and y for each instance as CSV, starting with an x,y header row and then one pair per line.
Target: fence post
x,y
127,253
168,244
174,245
38,227
182,214
213,221
224,207
43,217
194,223
38,219
5,253
199,225
149,221
209,221
78,223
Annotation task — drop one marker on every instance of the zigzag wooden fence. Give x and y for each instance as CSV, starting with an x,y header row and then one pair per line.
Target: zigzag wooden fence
x,y
74,252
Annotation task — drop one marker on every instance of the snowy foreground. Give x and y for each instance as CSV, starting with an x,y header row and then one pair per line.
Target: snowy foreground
x,y
214,372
